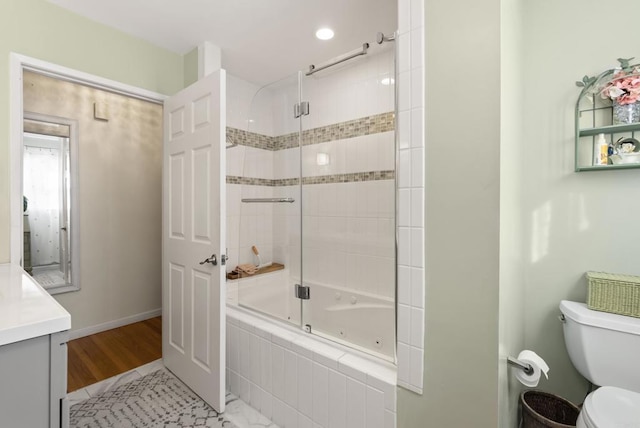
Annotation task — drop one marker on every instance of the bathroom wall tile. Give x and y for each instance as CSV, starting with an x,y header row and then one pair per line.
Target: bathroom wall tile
x,y
404,207
404,363
417,247
404,168
417,207
404,129
404,51
417,44
417,320
337,400
417,128
417,93
320,394
404,247
417,168
404,91
404,15
243,389
417,13
374,408
404,285
356,403
305,381
417,288
277,370
404,324
416,369
291,378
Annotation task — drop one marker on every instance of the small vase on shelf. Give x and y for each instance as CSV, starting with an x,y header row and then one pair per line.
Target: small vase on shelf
x,y
626,113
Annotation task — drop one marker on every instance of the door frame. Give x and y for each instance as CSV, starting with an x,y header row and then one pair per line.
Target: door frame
x,y
18,63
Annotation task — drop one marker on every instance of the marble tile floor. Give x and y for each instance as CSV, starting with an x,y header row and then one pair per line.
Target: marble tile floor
x,y
237,411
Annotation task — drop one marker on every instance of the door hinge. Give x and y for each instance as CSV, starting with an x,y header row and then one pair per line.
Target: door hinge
x,y
223,259
301,109
303,292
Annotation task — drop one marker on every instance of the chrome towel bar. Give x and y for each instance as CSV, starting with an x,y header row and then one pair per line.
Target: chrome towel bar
x,y
276,200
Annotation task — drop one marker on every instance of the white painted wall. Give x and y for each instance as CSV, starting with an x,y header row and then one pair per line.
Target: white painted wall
x,y
573,222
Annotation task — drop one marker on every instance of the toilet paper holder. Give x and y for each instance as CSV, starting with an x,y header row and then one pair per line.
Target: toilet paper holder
x,y
525,367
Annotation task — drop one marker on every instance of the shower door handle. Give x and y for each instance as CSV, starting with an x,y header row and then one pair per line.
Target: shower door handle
x,y
213,260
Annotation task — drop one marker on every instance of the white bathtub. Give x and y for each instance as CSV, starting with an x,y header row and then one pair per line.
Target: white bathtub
x,y
357,319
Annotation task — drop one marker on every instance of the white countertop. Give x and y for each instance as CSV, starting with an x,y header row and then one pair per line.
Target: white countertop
x,y
26,309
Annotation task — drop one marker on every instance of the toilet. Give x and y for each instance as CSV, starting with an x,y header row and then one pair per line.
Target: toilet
x,y
605,349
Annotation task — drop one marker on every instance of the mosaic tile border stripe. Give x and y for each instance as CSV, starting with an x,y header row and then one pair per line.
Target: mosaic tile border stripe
x,y
367,125
322,179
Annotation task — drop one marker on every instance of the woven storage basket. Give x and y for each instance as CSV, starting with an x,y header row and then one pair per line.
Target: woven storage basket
x,y
545,410
618,294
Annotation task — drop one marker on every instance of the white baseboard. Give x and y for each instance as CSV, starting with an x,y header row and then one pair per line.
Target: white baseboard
x,y
87,331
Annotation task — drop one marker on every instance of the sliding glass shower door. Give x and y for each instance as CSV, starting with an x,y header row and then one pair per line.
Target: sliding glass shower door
x,y
312,202
348,202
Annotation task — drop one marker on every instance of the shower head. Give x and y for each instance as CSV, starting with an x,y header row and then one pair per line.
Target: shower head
x,y
380,37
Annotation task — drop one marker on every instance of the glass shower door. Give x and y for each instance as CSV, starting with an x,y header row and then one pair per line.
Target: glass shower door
x,y
348,202
264,201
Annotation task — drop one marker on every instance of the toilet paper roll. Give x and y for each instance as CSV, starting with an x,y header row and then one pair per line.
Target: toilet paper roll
x,y
539,367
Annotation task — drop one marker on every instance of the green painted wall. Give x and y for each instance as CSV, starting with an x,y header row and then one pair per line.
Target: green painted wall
x,y
41,30
190,67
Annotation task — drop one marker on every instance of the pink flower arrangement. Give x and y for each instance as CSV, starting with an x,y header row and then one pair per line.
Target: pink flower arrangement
x,y
624,87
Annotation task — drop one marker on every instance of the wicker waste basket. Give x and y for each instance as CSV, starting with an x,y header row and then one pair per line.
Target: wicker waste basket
x,y
545,410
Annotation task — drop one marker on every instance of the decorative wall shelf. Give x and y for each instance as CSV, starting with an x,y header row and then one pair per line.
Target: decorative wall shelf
x,y
594,115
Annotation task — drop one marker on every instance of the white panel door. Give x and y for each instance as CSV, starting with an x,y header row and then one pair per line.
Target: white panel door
x,y
193,230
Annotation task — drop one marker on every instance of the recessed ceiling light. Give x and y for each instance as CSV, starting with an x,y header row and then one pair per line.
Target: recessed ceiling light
x,y
324,34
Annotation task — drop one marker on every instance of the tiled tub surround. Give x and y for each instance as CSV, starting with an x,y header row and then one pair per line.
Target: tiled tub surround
x,y
299,381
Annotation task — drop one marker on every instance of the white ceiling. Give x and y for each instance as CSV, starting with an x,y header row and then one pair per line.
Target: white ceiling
x,y
261,40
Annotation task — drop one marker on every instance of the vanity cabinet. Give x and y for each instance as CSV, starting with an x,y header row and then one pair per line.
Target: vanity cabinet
x,y
33,384
33,354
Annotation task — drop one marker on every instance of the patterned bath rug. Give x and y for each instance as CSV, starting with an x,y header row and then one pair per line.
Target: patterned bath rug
x,y
158,399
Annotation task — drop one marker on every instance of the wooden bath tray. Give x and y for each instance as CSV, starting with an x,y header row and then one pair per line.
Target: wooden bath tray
x,y
267,269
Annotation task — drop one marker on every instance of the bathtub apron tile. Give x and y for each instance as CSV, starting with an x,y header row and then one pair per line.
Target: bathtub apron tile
x,y
356,403
291,378
278,412
304,422
244,351
389,419
267,405
305,391
254,358
255,396
291,417
265,365
374,408
277,371
388,389
351,366
320,397
337,400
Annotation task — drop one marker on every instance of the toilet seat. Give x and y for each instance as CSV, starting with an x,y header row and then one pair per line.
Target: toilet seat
x,y
611,407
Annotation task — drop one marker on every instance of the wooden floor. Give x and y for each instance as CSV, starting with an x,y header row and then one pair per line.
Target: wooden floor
x,y
102,355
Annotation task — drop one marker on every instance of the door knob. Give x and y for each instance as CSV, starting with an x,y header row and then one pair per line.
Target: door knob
x,y
213,260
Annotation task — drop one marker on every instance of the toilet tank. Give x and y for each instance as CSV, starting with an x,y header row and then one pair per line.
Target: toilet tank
x,y
603,347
